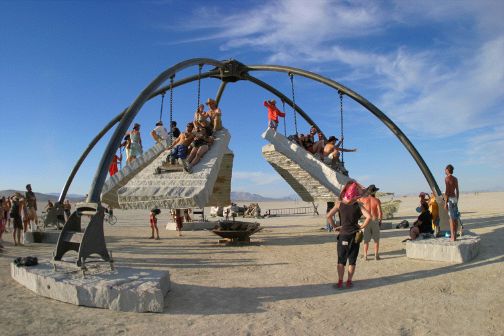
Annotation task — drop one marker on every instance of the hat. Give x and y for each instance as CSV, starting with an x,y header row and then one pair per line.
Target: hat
x,y
332,138
372,189
159,123
272,101
210,100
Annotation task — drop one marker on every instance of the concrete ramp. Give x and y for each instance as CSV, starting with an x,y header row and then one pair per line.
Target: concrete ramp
x,y
310,178
118,180
178,189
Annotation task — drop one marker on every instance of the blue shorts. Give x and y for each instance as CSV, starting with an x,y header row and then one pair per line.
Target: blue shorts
x,y
179,152
453,210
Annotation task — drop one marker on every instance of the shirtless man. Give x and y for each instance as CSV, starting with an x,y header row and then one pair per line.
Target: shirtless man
x,y
215,114
179,148
452,194
332,153
373,205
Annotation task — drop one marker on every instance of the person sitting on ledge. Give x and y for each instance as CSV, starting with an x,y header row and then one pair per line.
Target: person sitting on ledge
x,y
200,146
423,224
179,148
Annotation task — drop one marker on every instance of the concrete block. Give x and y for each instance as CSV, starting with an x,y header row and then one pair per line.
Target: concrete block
x,y
121,289
386,226
462,250
46,237
191,226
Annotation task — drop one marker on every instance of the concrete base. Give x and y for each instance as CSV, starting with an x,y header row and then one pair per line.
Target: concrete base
x,y
123,289
192,226
462,250
47,237
386,226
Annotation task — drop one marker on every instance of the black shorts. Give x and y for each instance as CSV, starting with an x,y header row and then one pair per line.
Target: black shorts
x,y
348,250
17,222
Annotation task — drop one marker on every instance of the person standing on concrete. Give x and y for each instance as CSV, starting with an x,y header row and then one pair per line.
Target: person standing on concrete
x,y
373,205
16,214
452,194
153,223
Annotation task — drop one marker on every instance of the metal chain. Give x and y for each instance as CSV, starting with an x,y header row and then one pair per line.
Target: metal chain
x,y
291,75
171,107
283,110
199,85
161,110
341,123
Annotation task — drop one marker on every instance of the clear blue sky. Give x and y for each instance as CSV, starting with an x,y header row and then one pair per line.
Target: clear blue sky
x,y
434,67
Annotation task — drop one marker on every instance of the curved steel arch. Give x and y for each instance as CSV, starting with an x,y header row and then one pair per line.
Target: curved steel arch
x,y
367,105
232,71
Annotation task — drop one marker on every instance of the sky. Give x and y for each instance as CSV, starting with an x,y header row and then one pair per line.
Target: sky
x,y
434,67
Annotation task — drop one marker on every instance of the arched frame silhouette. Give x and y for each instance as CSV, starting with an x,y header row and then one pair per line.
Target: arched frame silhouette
x,y
228,72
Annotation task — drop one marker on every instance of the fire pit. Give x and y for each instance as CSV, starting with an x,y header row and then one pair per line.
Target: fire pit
x,y
235,231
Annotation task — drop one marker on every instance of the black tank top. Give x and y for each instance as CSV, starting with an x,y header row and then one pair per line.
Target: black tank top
x,y
349,218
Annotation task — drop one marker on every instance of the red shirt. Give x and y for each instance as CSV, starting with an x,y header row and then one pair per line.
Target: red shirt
x,y
273,111
113,166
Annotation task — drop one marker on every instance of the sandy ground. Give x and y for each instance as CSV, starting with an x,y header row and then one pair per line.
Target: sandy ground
x,y
282,284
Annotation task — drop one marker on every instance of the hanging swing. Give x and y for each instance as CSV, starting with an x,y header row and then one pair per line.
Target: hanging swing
x,y
341,127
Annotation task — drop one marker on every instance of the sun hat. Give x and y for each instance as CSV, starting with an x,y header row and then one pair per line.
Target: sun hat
x,y
210,100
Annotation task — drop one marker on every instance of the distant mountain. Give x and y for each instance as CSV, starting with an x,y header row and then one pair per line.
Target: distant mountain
x,y
42,197
246,196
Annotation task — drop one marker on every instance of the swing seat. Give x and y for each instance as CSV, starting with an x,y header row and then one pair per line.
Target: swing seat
x,y
309,177
208,185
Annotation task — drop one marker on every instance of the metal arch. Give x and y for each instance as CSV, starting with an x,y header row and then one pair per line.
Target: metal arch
x,y
115,120
128,117
367,105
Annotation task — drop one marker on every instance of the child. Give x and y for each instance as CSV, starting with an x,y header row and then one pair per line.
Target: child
x,y
273,113
434,210
153,223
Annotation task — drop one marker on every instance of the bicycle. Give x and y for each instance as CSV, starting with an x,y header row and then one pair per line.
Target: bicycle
x,y
110,218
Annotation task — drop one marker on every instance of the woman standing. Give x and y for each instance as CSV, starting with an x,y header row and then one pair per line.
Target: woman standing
x,y
17,223
350,211
135,143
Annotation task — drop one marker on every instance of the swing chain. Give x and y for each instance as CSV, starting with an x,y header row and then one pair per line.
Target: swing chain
x,y
341,123
291,76
283,110
199,84
171,107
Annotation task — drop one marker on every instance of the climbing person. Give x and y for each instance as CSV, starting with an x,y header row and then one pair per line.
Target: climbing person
x,y
434,210
373,206
273,113
127,146
135,143
113,168
153,223
350,210
452,195
200,146
215,114
17,223
31,206
159,133
179,148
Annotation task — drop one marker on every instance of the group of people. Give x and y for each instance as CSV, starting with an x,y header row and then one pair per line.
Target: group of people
x,y
326,150
20,211
355,202
188,146
178,216
192,144
428,220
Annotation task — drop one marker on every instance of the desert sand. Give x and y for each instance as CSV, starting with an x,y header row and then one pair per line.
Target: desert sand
x,y
281,284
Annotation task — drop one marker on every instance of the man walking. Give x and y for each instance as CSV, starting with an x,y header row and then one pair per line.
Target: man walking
x,y
452,194
373,206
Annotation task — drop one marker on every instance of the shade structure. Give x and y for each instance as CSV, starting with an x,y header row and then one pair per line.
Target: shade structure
x,y
310,178
208,185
